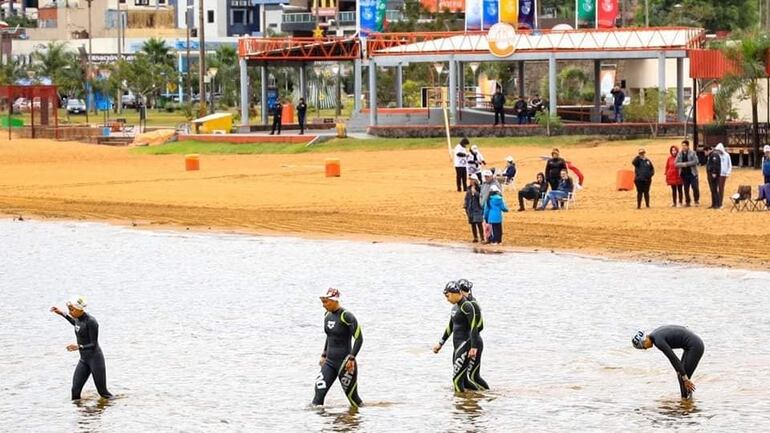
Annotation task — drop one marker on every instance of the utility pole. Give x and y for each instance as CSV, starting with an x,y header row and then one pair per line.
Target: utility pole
x,y
188,23
89,72
202,60
120,57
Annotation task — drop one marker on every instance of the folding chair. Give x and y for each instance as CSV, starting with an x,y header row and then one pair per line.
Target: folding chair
x,y
571,198
760,203
741,199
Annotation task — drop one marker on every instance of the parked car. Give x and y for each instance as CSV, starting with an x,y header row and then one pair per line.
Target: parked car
x,y
128,100
76,106
22,105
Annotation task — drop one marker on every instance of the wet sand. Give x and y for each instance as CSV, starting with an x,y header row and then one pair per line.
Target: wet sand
x,y
381,195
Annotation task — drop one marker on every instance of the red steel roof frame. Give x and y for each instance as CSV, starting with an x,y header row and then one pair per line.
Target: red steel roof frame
x,y
299,49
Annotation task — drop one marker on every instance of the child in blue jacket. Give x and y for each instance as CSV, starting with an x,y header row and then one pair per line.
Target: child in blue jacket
x,y
493,214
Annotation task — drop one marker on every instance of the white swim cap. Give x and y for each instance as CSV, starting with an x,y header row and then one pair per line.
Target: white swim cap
x,y
330,293
77,302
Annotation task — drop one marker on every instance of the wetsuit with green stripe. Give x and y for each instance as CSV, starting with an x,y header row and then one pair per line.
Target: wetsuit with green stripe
x,y
340,326
464,327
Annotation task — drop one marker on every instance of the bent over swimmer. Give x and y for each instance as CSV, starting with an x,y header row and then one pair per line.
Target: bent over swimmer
x,y
667,338
91,357
464,328
339,357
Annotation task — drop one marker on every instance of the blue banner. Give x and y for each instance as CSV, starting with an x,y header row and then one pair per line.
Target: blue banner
x,y
526,14
367,12
491,13
473,14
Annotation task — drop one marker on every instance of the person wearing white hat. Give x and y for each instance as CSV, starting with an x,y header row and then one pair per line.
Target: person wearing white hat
x,y
91,357
475,161
339,356
493,214
461,165
488,179
727,169
766,164
510,170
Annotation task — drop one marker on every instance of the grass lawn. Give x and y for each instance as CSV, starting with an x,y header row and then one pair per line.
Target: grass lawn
x,y
351,144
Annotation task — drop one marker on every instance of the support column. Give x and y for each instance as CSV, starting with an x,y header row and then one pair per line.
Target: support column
x,y
357,78
680,89
244,69
695,95
399,86
263,99
461,89
180,82
522,88
596,116
661,87
552,84
302,82
372,93
452,90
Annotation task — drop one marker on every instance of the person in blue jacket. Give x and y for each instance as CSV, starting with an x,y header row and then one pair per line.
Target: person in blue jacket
x,y
566,186
766,164
493,214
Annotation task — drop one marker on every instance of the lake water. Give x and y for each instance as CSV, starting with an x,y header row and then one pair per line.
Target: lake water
x,y
217,332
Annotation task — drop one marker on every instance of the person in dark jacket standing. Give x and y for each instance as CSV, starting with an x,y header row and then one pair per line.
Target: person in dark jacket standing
x,y
687,162
643,173
277,113
498,104
91,357
713,172
520,107
474,211
553,168
301,110
667,338
617,103
533,191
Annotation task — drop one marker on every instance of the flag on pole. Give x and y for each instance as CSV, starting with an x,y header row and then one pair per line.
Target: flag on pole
x,y
491,13
527,11
509,12
473,15
367,15
586,14
607,13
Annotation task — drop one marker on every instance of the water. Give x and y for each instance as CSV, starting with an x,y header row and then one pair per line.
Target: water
x,y
215,332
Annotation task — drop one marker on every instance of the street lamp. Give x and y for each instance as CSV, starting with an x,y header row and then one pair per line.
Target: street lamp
x,y
188,23
211,73
317,68
336,70
90,54
439,66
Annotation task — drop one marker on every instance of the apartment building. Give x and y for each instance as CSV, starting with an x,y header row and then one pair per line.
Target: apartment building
x,y
336,16
223,18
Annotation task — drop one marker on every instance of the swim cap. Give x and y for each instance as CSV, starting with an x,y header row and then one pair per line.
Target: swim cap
x,y
330,293
451,287
638,340
77,302
464,285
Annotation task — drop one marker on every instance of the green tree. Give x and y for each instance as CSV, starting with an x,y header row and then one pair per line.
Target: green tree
x,y
749,52
10,72
571,86
143,77
225,59
157,51
53,61
713,15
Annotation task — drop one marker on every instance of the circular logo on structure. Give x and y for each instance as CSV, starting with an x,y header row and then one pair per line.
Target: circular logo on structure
x,y
608,5
501,39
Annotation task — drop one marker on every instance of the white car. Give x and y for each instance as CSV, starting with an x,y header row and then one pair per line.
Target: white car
x,y
76,106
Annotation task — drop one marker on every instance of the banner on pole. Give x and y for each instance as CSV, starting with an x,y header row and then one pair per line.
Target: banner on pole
x,y
509,12
382,8
607,13
491,13
367,12
473,14
586,14
527,12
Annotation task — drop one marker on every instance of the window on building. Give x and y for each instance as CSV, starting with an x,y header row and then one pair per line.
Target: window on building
x,y
210,16
161,2
239,16
122,2
141,2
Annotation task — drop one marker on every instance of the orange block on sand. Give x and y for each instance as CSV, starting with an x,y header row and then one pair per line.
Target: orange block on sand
x,y
625,180
332,167
192,162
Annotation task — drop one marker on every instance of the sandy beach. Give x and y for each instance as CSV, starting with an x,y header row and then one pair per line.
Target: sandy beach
x,y
381,195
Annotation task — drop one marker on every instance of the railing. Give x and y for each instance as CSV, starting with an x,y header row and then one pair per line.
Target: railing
x,y
344,17
300,49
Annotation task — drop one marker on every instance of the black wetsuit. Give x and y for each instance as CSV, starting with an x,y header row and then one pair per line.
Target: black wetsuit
x,y
91,356
671,337
465,326
340,326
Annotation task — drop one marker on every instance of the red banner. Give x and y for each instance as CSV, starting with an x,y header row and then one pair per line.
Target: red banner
x,y
434,6
607,13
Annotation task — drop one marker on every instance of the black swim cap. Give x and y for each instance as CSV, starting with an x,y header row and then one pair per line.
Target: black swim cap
x,y
451,287
465,285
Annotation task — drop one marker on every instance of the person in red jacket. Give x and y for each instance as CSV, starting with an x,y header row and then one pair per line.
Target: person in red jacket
x,y
673,179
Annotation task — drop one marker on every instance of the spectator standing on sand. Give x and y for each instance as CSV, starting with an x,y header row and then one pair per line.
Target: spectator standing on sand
x,y
475,161
533,191
461,164
493,214
766,164
498,104
473,210
643,173
301,110
490,180
673,179
553,168
713,171
687,162
726,168
520,108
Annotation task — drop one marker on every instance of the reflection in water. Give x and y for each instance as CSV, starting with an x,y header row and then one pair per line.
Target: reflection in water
x,y
342,421
90,411
672,413
468,410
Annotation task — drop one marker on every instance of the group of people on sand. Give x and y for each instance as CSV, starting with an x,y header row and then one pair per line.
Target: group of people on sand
x,y
484,203
682,175
344,340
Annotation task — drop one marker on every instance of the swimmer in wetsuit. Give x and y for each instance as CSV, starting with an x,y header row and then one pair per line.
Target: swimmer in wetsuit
x,y
91,357
464,328
667,338
339,357
474,379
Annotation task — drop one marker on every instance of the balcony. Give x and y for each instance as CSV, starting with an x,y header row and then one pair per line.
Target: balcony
x,y
346,17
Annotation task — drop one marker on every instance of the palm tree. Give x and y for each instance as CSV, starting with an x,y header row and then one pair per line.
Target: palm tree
x,y
52,61
10,72
157,51
749,53
225,59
